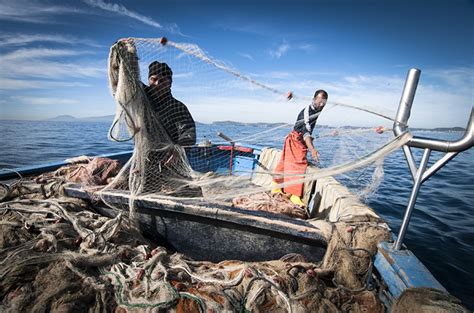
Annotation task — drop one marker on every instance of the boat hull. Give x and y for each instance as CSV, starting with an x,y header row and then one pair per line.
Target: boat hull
x,y
214,232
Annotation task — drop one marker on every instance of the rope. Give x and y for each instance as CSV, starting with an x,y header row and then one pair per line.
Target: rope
x,y
195,51
233,282
365,160
123,302
280,292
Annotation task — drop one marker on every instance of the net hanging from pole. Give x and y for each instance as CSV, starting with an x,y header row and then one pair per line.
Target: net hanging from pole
x,y
171,96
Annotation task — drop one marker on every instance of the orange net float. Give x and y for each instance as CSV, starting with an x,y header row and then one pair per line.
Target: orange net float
x,y
379,129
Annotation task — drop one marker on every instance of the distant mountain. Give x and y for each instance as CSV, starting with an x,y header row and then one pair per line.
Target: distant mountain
x,y
449,129
70,118
110,118
105,118
233,123
440,129
228,123
62,118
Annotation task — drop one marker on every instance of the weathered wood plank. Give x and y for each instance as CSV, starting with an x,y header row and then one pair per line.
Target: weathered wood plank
x,y
205,230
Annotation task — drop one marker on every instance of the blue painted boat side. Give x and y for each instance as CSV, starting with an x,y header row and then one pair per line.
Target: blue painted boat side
x,y
209,159
401,269
39,169
202,159
213,159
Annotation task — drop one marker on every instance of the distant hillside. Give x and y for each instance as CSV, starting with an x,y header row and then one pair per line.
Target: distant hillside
x,y
69,118
199,124
451,129
110,118
440,129
233,123
105,118
62,118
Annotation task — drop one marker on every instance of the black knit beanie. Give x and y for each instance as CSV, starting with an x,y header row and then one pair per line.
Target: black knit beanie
x,y
160,69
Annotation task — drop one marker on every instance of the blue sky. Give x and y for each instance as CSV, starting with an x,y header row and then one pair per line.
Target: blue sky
x,y
53,55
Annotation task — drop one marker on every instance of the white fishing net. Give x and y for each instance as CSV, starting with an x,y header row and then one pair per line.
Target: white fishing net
x,y
234,120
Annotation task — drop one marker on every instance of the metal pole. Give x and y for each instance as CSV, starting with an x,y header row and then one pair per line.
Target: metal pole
x,y
231,159
439,164
411,202
403,113
410,160
466,142
232,146
452,148
406,101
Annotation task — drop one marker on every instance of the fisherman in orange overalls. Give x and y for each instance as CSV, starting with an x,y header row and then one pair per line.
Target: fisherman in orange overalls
x,y
293,162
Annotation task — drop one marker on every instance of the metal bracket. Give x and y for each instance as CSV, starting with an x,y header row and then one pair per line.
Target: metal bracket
x,y
421,174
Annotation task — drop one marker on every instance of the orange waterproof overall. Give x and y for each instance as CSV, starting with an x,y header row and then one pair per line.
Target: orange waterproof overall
x,y
292,164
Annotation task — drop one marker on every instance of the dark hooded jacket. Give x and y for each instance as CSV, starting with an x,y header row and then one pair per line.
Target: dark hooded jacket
x,y
174,116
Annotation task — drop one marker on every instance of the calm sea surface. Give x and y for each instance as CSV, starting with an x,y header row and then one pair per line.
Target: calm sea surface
x,y
441,231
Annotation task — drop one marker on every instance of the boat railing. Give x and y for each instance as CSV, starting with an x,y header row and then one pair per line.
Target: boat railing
x,y
421,173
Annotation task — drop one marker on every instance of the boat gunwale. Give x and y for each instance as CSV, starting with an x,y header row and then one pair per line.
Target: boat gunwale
x,y
214,213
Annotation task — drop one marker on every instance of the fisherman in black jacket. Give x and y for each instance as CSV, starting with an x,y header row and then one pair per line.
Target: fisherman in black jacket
x,y
172,114
168,170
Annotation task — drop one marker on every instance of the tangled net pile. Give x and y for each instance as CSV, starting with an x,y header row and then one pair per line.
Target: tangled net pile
x,y
57,254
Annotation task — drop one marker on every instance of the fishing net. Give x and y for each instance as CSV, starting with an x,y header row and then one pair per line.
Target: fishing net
x,y
57,254
427,300
231,117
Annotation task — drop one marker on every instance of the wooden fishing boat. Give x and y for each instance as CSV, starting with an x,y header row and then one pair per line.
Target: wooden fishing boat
x,y
216,231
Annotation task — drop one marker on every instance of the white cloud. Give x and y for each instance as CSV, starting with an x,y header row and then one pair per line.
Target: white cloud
x,y
35,63
285,47
245,55
244,108
20,84
458,78
25,39
255,28
183,75
54,70
306,47
44,100
435,105
33,12
439,105
36,53
280,50
286,75
122,10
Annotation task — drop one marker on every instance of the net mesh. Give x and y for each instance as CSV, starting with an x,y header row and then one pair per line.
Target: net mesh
x,y
171,96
